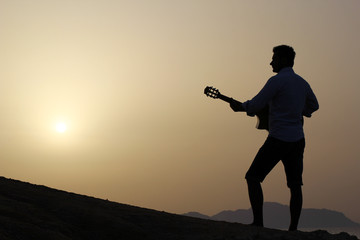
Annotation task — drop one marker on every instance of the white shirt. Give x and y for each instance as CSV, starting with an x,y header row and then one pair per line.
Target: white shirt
x,y
289,98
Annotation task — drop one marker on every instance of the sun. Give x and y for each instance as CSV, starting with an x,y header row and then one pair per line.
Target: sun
x,y
61,127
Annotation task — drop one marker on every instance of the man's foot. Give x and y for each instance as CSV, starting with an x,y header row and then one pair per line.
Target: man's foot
x,y
292,228
256,224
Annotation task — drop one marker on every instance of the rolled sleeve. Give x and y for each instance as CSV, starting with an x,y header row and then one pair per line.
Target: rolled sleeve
x,y
245,106
311,104
262,99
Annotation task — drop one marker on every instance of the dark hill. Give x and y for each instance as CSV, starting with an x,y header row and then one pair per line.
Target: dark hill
x,y
33,212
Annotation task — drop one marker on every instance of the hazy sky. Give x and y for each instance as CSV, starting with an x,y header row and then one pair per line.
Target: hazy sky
x,y
127,78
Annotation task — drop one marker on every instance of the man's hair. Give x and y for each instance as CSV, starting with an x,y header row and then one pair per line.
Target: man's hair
x,y
286,53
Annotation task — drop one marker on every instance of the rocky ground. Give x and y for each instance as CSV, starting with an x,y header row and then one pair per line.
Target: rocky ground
x,y
33,212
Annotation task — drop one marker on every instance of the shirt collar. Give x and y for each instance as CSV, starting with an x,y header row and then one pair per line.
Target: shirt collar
x,y
286,69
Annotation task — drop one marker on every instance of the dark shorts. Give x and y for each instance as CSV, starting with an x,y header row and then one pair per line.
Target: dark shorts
x,y
273,151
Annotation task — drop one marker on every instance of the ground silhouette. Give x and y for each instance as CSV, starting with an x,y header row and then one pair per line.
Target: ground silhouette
x,y
34,212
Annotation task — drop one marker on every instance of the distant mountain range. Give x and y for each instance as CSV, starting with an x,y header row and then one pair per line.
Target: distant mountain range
x,y
277,216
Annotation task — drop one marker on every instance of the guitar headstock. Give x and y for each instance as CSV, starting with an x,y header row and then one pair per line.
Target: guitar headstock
x,y
211,92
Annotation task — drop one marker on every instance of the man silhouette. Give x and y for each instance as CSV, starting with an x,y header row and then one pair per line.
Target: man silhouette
x,y
289,98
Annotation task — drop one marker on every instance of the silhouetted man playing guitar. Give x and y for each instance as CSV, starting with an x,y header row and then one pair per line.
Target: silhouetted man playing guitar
x,y
287,97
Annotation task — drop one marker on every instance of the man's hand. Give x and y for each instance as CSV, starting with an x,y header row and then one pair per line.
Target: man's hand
x,y
236,106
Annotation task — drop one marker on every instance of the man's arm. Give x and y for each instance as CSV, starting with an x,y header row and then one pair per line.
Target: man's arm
x,y
261,100
311,104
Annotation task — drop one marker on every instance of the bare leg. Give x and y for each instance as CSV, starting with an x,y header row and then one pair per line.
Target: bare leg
x,y
256,200
296,201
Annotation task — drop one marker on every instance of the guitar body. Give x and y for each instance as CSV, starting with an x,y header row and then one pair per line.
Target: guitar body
x,y
262,116
263,119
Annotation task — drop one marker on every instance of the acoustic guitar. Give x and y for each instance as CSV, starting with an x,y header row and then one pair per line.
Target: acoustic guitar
x,y
262,116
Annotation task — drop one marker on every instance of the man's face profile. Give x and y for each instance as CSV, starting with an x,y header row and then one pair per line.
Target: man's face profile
x,y
276,63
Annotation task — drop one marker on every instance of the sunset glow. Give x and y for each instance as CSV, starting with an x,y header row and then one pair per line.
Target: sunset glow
x,y
110,94
61,127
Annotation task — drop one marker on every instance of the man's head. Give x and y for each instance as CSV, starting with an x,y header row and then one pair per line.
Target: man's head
x,y
283,57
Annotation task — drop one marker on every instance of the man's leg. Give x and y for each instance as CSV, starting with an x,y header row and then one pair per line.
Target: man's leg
x,y
293,162
264,162
296,201
256,201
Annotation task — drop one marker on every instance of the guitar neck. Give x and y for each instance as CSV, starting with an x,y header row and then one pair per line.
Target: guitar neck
x,y
225,98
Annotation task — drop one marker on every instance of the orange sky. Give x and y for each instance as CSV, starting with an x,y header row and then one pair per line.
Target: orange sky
x,y
127,78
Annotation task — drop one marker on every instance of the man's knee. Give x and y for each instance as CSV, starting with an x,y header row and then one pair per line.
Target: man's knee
x,y
253,176
295,184
252,180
